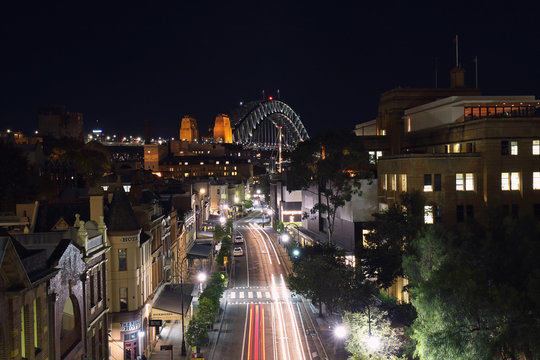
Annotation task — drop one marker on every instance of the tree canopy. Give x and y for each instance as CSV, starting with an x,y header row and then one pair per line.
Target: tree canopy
x,y
477,291
334,162
321,275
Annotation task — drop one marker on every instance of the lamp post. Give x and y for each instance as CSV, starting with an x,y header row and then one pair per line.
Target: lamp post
x,y
297,232
183,349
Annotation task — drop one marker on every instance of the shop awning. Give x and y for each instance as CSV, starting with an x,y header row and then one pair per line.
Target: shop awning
x,y
199,251
168,305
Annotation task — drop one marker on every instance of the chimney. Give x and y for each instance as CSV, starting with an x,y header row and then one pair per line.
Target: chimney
x,y
457,77
96,203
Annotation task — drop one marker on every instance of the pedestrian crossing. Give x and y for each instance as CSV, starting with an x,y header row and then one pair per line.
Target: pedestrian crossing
x,y
249,295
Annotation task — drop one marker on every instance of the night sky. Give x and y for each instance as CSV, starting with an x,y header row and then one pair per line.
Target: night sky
x,y
123,63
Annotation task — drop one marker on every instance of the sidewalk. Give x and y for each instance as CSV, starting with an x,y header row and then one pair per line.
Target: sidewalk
x,y
170,335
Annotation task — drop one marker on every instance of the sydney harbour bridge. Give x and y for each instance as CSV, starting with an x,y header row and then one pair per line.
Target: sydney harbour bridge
x,y
258,124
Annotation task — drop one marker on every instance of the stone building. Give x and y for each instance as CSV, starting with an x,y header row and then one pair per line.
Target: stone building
x,y
129,274
25,317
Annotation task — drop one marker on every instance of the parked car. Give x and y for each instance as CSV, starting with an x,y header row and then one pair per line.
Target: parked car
x,y
239,239
238,251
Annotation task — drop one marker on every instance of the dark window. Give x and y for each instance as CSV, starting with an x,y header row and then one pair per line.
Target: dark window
x,y
505,149
470,147
122,259
437,214
92,293
99,297
470,211
515,210
537,210
437,182
459,213
427,179
506,210
123,299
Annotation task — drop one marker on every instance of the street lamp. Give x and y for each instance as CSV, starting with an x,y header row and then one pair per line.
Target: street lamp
x,y
202,278
340,332
373,342
285,237
202,191
183,353
296,253
297,231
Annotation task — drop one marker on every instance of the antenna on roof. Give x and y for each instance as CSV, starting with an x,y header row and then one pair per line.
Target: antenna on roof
x,y
263,94
278,94
436,74
457,51
476,70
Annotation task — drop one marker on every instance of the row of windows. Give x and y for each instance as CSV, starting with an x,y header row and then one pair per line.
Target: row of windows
x,y
433,213
511,147
464,181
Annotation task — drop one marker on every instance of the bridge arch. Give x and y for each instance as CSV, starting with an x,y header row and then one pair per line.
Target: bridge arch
x,y
256,124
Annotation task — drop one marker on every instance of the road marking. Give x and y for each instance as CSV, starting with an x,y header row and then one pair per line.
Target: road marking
x,y
241,295
272,245
245,329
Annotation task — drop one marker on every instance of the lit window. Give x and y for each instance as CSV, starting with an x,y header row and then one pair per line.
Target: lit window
x,y
513,148
536,180
505,181
428,183
428,214
469,182
372,157
457,148
122,259
127,188
394,181
460,186
514,181
379,154
217,162
404,182
509,181
226,163
385,182
465,182
186,174
536,147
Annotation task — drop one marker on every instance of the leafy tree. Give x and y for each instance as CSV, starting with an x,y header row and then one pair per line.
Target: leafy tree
x,y
207,310
390,234
92,160
197,332
320,275
476,291
371,335
248,204
333,162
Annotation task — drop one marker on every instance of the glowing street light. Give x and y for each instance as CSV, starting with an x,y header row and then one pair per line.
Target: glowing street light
x,y
340,332
202,277
258,191
285,237
296,252
373,342
202,191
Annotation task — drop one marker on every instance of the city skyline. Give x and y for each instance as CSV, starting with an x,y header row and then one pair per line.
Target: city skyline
x,y
123,66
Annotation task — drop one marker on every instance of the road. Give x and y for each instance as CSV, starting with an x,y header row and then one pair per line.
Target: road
x,y
261,319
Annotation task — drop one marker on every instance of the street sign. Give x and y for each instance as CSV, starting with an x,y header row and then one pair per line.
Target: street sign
x,y
165,347
156,323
